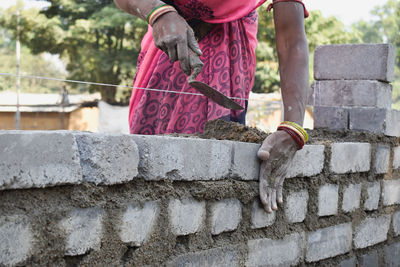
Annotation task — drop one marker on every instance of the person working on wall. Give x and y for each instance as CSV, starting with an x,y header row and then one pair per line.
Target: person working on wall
x,y
184,34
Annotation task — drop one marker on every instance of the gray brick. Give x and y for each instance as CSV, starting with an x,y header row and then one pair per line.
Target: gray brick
x,y
138,223
329,242
373,195
350,157
259,217
368,119
296,206
355,62
371,231
16,240
396,157
284,252
225,215
369,260
351,93
382,155
392,255
333,118
307,162
396,223
108,159
328,196
391,192
38,159
393,123
186,216
227,256
351,197
186,159
246,165
84,230
348,262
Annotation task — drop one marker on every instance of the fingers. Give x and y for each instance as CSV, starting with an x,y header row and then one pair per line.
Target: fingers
x,y
183,57
279,194
172,52
265,196
193,44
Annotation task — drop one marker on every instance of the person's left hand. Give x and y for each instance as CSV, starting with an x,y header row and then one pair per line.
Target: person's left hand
x,y
276,153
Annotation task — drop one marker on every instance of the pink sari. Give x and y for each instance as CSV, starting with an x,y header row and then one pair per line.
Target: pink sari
x,y
229,66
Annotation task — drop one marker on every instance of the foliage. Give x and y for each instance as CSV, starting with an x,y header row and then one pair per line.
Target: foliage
x,y
99,42
37,64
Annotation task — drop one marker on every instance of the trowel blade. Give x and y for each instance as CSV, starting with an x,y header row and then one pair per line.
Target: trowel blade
x,y
215,95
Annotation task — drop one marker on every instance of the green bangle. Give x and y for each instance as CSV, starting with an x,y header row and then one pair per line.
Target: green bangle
x,y
148,16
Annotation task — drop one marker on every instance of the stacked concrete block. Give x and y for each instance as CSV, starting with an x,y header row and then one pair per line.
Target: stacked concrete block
x,y
225,216
296,206
373,191
259,217
371,231
186,216
351,197
328,197
352,88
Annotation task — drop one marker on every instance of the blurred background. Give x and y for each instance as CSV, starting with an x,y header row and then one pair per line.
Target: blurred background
x,y
94,41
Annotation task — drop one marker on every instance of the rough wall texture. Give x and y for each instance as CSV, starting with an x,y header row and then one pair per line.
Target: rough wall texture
x,y
129,200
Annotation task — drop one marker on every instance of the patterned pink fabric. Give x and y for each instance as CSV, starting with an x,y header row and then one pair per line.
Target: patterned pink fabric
x,y
229,66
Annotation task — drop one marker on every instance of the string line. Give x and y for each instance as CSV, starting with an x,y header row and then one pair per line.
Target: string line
x,y
106,84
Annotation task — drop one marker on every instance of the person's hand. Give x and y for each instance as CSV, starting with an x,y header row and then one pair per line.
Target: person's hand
x,y
276,153
175,37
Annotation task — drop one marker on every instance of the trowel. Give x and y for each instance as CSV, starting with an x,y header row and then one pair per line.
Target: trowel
x,y
208,91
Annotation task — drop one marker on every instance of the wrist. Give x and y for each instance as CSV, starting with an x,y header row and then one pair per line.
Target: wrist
x,y
158,12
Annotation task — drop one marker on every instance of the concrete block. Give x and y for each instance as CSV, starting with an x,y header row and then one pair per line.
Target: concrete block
x,y
296,206
333,118
225,215
369,260
355,62
396,223
259,217
371,231
84,229
38,159
393,123
17,241
351,93
246,165
396,157
373,195
329,242
226,256
307,162
107,159
392,255
284,252
348,262
382,156
138,223
328,196
391,192
186,216
351,197
185,159
350,157
368,119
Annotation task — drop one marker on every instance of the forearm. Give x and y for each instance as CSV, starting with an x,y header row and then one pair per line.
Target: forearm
x,y
292,48
138,8
293,68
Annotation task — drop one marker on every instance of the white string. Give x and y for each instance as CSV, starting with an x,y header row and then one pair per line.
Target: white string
x,y
106,84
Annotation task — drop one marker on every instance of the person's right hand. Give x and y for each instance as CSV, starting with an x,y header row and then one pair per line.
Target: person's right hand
x,y
173,35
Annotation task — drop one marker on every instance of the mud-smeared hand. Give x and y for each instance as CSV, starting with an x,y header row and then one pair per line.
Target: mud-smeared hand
x,y
175,37
276,153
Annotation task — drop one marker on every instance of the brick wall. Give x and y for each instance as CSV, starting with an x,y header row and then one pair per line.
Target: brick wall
x,y
81,198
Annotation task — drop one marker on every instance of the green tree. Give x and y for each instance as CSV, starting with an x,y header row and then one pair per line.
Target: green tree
x,y
99,42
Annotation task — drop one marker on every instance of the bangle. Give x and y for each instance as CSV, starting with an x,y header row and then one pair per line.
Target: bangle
x,y
158,12
300,134
294,135
298,127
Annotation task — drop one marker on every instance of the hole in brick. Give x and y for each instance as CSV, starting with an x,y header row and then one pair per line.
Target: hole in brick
x,y
129,253
72,261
